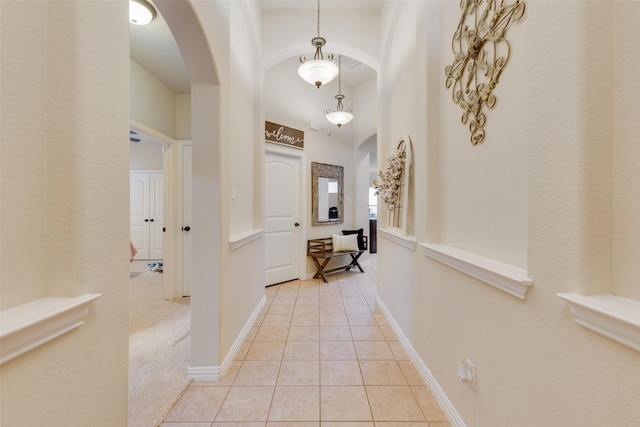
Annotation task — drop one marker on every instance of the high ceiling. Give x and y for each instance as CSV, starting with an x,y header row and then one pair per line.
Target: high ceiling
x,y
154,47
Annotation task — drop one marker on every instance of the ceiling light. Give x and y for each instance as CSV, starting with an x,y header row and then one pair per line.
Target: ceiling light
x,y
318,71
340,116
141,12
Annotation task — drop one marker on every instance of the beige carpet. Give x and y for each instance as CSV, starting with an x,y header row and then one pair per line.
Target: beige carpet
x,y
157,369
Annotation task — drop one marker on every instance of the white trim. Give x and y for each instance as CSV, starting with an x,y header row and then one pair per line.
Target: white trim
x,y
275,149
506,277
204,373
213,373
614,317
450,411
396,237
27,326
145,171
238,240
151,132
179,286
172,287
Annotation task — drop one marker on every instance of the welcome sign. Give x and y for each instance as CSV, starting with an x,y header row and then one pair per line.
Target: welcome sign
x,y
279,134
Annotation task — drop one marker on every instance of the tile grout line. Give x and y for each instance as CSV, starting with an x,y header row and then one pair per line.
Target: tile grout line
x,y
342,286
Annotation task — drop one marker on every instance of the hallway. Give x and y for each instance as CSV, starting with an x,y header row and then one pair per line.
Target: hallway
x,y
318,352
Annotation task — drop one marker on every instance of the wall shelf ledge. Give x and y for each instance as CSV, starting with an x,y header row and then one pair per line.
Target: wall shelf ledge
x,y
27,326
396,236
506,277
614,317
239,240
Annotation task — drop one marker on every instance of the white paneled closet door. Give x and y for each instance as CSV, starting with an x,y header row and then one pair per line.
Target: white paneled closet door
x,y
146,214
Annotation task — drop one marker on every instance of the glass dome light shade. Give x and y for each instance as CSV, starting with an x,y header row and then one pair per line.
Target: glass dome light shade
x,y
318,71
339,118
141,12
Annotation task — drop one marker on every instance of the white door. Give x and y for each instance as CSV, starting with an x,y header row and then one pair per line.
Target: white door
x,y
146,221
186,219
156,222
139,211
282,217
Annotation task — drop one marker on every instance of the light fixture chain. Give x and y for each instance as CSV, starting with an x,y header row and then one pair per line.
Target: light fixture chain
x,y
339,69
318,25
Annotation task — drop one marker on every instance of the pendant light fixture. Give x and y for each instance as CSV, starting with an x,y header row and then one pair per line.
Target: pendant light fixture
x,y
340,116
141,12
318,71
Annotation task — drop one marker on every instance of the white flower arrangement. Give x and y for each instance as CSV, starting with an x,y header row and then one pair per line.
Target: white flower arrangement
x,y
389,185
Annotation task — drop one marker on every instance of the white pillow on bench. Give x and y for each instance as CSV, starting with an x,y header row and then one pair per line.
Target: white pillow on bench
x,y
344,243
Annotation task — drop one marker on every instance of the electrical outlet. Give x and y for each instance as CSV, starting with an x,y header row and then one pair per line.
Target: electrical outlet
x,y
472,375
467,373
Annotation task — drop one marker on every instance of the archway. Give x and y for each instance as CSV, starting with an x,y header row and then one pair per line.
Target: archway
x,y
185,24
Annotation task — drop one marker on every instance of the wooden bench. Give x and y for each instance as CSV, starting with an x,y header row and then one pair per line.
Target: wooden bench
x,y
323,249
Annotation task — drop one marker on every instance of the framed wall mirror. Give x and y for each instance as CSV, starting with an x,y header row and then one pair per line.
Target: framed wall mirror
x,y
327,190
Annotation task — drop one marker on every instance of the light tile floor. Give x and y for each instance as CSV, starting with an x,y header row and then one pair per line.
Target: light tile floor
x,y
319,353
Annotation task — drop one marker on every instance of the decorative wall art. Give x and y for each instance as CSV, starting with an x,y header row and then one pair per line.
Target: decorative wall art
x,y
279,134
481,53
393,186
388,187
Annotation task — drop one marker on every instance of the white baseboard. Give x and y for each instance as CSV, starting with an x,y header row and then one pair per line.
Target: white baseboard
x,y
450,411
204,373
213,373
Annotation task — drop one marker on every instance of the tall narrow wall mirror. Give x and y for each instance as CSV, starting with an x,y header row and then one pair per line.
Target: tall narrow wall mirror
x,y
327,189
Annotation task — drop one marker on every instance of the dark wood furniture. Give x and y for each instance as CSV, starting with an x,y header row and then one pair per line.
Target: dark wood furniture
x,y
373,232
322,249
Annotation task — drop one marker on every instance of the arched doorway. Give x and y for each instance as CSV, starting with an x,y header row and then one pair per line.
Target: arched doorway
x,y
185,24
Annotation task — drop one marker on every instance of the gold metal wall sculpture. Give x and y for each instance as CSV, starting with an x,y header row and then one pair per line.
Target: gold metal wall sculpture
x,y
480,55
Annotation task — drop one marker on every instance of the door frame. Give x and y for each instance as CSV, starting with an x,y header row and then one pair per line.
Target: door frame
x,y
172,284
172,243
300,158
179,286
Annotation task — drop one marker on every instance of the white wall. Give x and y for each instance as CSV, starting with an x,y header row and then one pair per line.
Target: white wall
x,y
243,114
183,116
152,103
24,136
626,153
365,128
365,106
536,194
242,166
65,168
145,156
288,33
483,189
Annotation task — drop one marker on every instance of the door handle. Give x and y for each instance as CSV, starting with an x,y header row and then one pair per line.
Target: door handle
x,y
146,220
151,220
297,224
187,228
